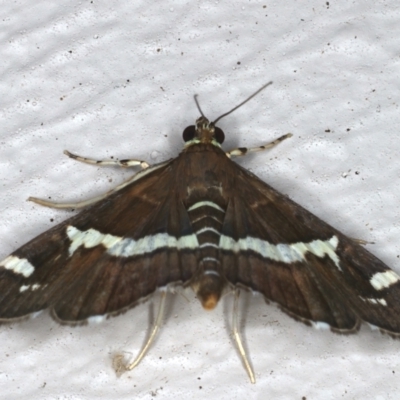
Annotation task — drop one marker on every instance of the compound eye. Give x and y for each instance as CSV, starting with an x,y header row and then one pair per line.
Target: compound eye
x,y
189,133
219,135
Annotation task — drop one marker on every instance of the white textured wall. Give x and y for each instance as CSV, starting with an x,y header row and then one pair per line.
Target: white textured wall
x,y
109,78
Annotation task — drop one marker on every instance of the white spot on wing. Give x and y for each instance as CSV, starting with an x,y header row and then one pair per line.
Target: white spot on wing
x,y
36,314
320,248
374,327
126,247
24,288
287,253
96,319
371,300
321,325
383,280
18,265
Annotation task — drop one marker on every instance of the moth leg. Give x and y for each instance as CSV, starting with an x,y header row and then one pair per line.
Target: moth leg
x,y
241,151
238,339
156,327
79,204
118,163
84,203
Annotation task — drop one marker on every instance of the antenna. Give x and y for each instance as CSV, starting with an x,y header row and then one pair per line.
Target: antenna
x,y
239,105
198,105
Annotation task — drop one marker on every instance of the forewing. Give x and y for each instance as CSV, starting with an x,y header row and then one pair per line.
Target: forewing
x,y
316,274
72,270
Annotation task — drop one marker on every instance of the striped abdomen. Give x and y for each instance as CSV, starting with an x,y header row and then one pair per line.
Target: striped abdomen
x,y
207,219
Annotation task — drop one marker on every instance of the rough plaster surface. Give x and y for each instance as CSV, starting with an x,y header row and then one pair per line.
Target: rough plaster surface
x,y
116,79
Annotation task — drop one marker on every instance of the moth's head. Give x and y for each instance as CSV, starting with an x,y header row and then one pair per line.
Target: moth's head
x,y
203,132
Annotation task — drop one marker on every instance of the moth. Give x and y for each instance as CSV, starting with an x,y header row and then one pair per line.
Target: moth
x,y
202,221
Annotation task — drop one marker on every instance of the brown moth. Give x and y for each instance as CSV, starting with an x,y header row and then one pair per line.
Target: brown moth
x,y
200,221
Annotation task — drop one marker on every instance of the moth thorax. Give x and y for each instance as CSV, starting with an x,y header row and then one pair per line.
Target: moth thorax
x,y
208,288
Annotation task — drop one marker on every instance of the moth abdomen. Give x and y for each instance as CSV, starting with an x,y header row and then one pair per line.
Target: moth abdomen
x,y
208,288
